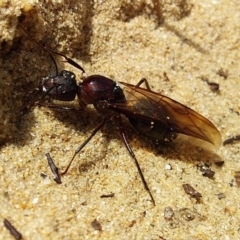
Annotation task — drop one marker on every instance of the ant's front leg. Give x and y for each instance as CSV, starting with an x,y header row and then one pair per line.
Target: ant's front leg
x,y
59,107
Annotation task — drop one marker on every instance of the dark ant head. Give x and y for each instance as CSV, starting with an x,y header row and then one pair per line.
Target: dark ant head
x,y
62,87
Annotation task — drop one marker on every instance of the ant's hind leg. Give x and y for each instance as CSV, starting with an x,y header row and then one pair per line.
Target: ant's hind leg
x,y
124,138
144,80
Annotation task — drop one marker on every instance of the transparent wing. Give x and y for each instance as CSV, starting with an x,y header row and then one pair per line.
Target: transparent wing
x,y
144,104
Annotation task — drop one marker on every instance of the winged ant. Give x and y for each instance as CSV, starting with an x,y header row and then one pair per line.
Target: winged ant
x,y
152,114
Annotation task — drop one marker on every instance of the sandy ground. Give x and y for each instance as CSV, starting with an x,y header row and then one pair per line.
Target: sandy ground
x,y
178,47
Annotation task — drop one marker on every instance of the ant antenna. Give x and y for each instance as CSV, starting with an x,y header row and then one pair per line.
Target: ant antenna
x,y
50,51
41,46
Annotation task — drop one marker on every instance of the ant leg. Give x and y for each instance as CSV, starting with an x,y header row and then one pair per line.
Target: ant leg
x,y
59,108
144,80
124,138
84,144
